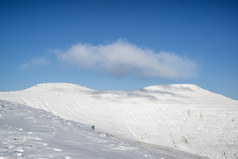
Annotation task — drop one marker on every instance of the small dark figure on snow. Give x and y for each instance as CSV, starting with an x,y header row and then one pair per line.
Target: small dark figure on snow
x,y
93,127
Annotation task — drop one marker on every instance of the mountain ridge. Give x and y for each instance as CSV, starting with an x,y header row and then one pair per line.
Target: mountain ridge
x,y
182,117
171,87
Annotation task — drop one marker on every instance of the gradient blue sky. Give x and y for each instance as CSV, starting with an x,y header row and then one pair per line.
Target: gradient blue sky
x,y
34,35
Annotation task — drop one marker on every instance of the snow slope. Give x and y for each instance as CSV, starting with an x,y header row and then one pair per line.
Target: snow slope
x,y
30,133
182,116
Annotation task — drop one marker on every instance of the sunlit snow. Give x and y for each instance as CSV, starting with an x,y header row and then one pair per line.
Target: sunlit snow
x,y
170,117
30,133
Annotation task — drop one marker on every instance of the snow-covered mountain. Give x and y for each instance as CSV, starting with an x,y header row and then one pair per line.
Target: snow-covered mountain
x,y
28,133
182,116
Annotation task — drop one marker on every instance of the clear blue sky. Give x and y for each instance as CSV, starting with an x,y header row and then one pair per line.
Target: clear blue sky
x,y
37,38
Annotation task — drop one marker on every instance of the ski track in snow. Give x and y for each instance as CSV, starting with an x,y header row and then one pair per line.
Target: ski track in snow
x,y
30,133
160,118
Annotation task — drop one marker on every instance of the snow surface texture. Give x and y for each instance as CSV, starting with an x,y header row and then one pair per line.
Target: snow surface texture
x,y
182,117
30,133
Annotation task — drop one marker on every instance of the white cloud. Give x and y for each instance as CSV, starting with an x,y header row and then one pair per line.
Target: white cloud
x,y
40,61
121,58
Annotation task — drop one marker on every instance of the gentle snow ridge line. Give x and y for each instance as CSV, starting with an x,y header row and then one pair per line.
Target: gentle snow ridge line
x,y
182,117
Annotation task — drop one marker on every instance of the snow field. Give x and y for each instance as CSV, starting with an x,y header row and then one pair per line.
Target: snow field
x,y
181,117
30,133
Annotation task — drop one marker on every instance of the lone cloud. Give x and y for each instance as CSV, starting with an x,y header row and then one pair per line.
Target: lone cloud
x,y
122,58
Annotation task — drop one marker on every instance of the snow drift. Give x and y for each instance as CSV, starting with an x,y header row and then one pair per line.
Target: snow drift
x,y
28,133
182,116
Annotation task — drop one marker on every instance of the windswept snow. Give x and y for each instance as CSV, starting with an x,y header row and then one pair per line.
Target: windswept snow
x,y
181,117
30,133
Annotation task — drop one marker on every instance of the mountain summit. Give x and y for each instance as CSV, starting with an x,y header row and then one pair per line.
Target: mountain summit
x,y
183,117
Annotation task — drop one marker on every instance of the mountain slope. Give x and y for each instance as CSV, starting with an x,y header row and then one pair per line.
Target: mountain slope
x,y
30,133
183,117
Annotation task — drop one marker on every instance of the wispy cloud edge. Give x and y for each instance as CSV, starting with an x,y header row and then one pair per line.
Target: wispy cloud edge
x,y
39,61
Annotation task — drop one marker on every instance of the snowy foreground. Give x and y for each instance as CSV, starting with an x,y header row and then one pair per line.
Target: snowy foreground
x,y
162,119
30,133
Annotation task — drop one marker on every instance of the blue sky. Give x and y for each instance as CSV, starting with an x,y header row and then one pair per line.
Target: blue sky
x,y
120,45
